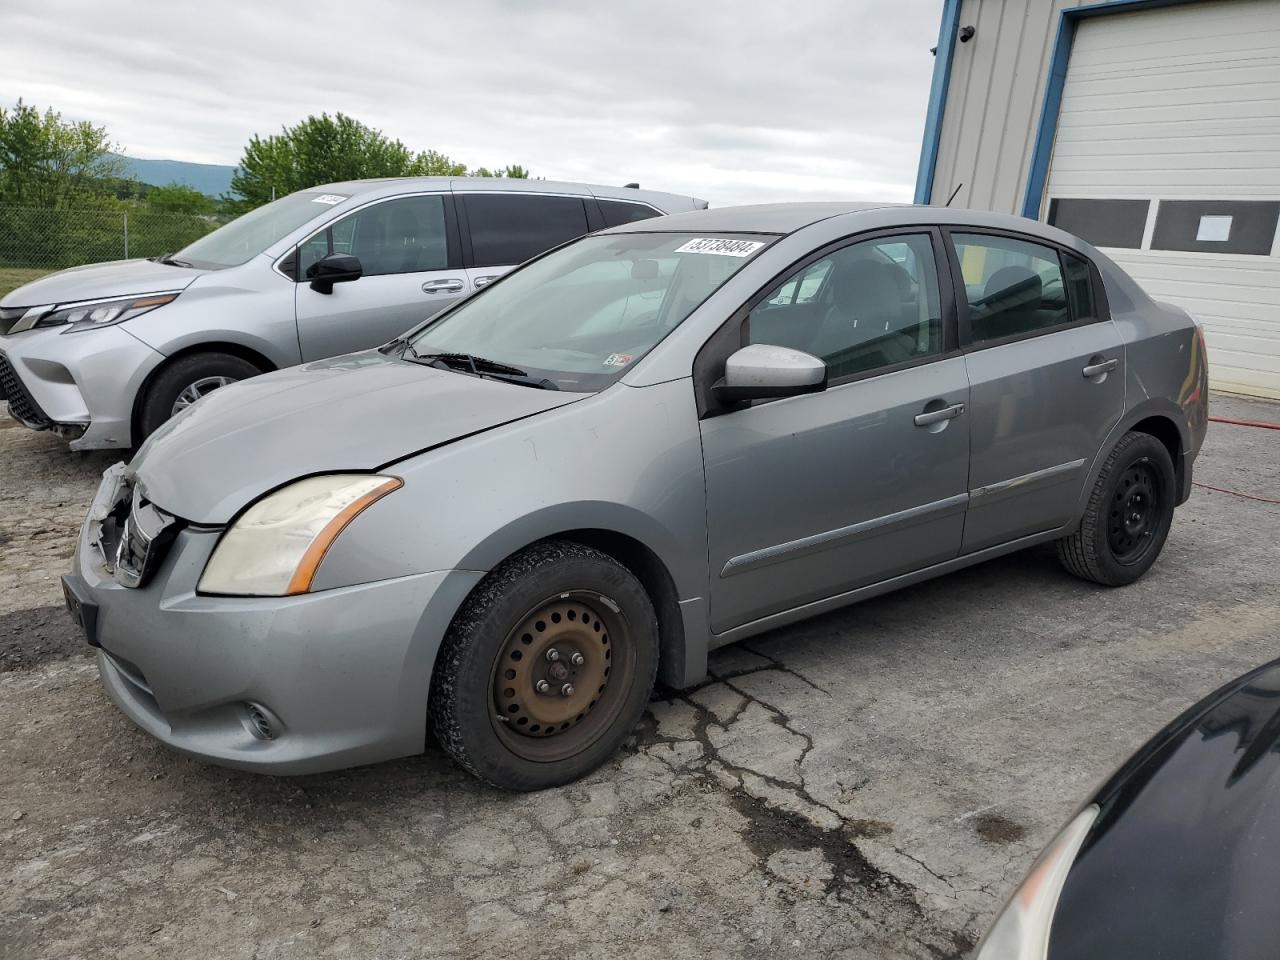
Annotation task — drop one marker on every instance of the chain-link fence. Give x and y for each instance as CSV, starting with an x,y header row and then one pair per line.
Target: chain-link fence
x,y
54,238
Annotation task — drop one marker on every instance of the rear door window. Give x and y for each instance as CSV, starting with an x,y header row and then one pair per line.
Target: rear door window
x,y
507,229
618,212
1013,287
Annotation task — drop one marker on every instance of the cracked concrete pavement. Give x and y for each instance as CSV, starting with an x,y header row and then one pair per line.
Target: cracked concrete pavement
x,y
871,783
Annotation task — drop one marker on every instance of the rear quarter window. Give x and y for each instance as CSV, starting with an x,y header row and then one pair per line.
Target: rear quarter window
x,y
618,212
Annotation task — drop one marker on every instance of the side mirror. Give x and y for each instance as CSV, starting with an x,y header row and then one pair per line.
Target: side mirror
x,y
763,371
335,268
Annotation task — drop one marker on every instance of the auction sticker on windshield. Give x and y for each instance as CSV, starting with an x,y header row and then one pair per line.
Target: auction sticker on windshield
x,y
721,247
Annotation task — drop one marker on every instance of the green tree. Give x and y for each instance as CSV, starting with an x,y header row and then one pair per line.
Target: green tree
x,y
179,198
46,161
327,149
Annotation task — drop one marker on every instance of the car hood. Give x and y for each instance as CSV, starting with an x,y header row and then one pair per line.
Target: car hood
x,y
358,412
1184,858
119,278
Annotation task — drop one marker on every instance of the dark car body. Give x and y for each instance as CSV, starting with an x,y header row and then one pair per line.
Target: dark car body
x,y
1183,860
1176,856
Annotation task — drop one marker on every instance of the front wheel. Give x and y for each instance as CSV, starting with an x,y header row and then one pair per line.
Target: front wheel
x,y
186,380
546,668
1128,516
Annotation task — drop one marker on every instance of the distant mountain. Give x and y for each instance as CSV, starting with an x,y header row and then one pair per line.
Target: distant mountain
x,y
211,178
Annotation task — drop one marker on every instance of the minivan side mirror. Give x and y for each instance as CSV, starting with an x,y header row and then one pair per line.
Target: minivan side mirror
x,y
763,371
334,268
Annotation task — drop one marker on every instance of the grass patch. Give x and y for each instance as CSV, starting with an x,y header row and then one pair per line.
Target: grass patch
x,y
14,277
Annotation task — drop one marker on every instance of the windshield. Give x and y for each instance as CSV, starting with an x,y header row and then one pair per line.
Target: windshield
x,y
581,316
245,237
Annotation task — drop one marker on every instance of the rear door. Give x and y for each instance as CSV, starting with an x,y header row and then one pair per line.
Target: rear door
x,y
412,265
502,230
1046,373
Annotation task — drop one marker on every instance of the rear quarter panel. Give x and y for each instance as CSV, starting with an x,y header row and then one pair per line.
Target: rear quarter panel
x,y
1166,372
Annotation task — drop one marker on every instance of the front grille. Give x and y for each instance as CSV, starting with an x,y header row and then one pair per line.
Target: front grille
x,y
21,404
131,534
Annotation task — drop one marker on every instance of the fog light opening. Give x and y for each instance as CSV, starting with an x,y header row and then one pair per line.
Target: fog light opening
x,y
262,723
69,431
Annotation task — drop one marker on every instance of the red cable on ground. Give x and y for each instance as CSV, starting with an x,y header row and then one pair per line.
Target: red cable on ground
x,y
1260,424
1234,493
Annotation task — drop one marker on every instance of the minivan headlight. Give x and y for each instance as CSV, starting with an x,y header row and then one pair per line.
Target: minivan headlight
x,y
103,313
275,547
1021,932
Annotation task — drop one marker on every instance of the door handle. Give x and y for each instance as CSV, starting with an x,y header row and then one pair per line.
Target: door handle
x,y
443,286
937,416
485,281
1098,369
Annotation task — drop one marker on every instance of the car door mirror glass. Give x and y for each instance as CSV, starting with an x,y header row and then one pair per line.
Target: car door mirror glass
x,y
763,371
334,268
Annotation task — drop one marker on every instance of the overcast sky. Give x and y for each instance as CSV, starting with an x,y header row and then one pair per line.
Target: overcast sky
x,y
736,102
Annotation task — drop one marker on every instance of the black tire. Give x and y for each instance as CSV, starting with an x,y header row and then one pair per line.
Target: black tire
x,y
164,391
1127,519
484,724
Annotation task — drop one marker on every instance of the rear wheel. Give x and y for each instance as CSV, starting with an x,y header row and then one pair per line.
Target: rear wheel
x,y
1128,516
546,669
186,380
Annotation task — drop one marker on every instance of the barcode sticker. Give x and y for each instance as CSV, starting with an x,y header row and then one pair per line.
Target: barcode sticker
x,y
721,247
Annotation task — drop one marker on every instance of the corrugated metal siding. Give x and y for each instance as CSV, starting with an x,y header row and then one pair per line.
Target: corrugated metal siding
x,y
1184,103
993,105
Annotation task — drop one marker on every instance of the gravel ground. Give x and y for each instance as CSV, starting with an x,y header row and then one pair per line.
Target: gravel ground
x,y
868,784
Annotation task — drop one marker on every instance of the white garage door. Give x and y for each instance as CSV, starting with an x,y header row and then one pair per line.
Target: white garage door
x,y
1168,157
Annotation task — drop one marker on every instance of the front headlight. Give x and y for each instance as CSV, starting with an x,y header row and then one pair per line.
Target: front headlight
x,y
1021,932
274,549
91,315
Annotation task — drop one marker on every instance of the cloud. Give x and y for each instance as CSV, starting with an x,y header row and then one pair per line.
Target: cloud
x,y
732,101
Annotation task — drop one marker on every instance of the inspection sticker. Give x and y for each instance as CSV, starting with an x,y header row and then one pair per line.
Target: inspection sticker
x,y
617,360
721,247
328,198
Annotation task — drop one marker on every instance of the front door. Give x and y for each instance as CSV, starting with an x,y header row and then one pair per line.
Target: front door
x,y
1047,371
815,495
405,252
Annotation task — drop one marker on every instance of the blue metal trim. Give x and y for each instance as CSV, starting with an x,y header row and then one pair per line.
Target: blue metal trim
x,y
937,99
1046,130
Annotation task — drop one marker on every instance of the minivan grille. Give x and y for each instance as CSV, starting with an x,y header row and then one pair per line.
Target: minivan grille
x,y
21,404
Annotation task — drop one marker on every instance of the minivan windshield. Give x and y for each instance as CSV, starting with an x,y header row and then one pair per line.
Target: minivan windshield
x,y
581,316
245,237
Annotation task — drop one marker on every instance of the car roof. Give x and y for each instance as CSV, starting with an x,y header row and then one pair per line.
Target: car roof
x,y
387,186
754,218
787,218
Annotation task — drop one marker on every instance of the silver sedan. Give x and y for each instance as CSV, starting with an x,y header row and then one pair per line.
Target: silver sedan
x,y
655,440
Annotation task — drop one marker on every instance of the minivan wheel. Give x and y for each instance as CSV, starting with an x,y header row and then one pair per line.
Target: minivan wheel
x,y
185,381
546,669
1128,516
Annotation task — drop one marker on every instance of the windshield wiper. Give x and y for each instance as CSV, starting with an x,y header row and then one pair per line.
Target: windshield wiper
x,y
481,367
170,260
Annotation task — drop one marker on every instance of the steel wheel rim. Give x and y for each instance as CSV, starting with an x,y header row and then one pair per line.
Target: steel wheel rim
x,y
1133,516
194,391
550,724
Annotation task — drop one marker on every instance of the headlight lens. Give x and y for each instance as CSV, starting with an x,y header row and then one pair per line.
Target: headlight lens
x,y
1021,932
102,313
275,548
